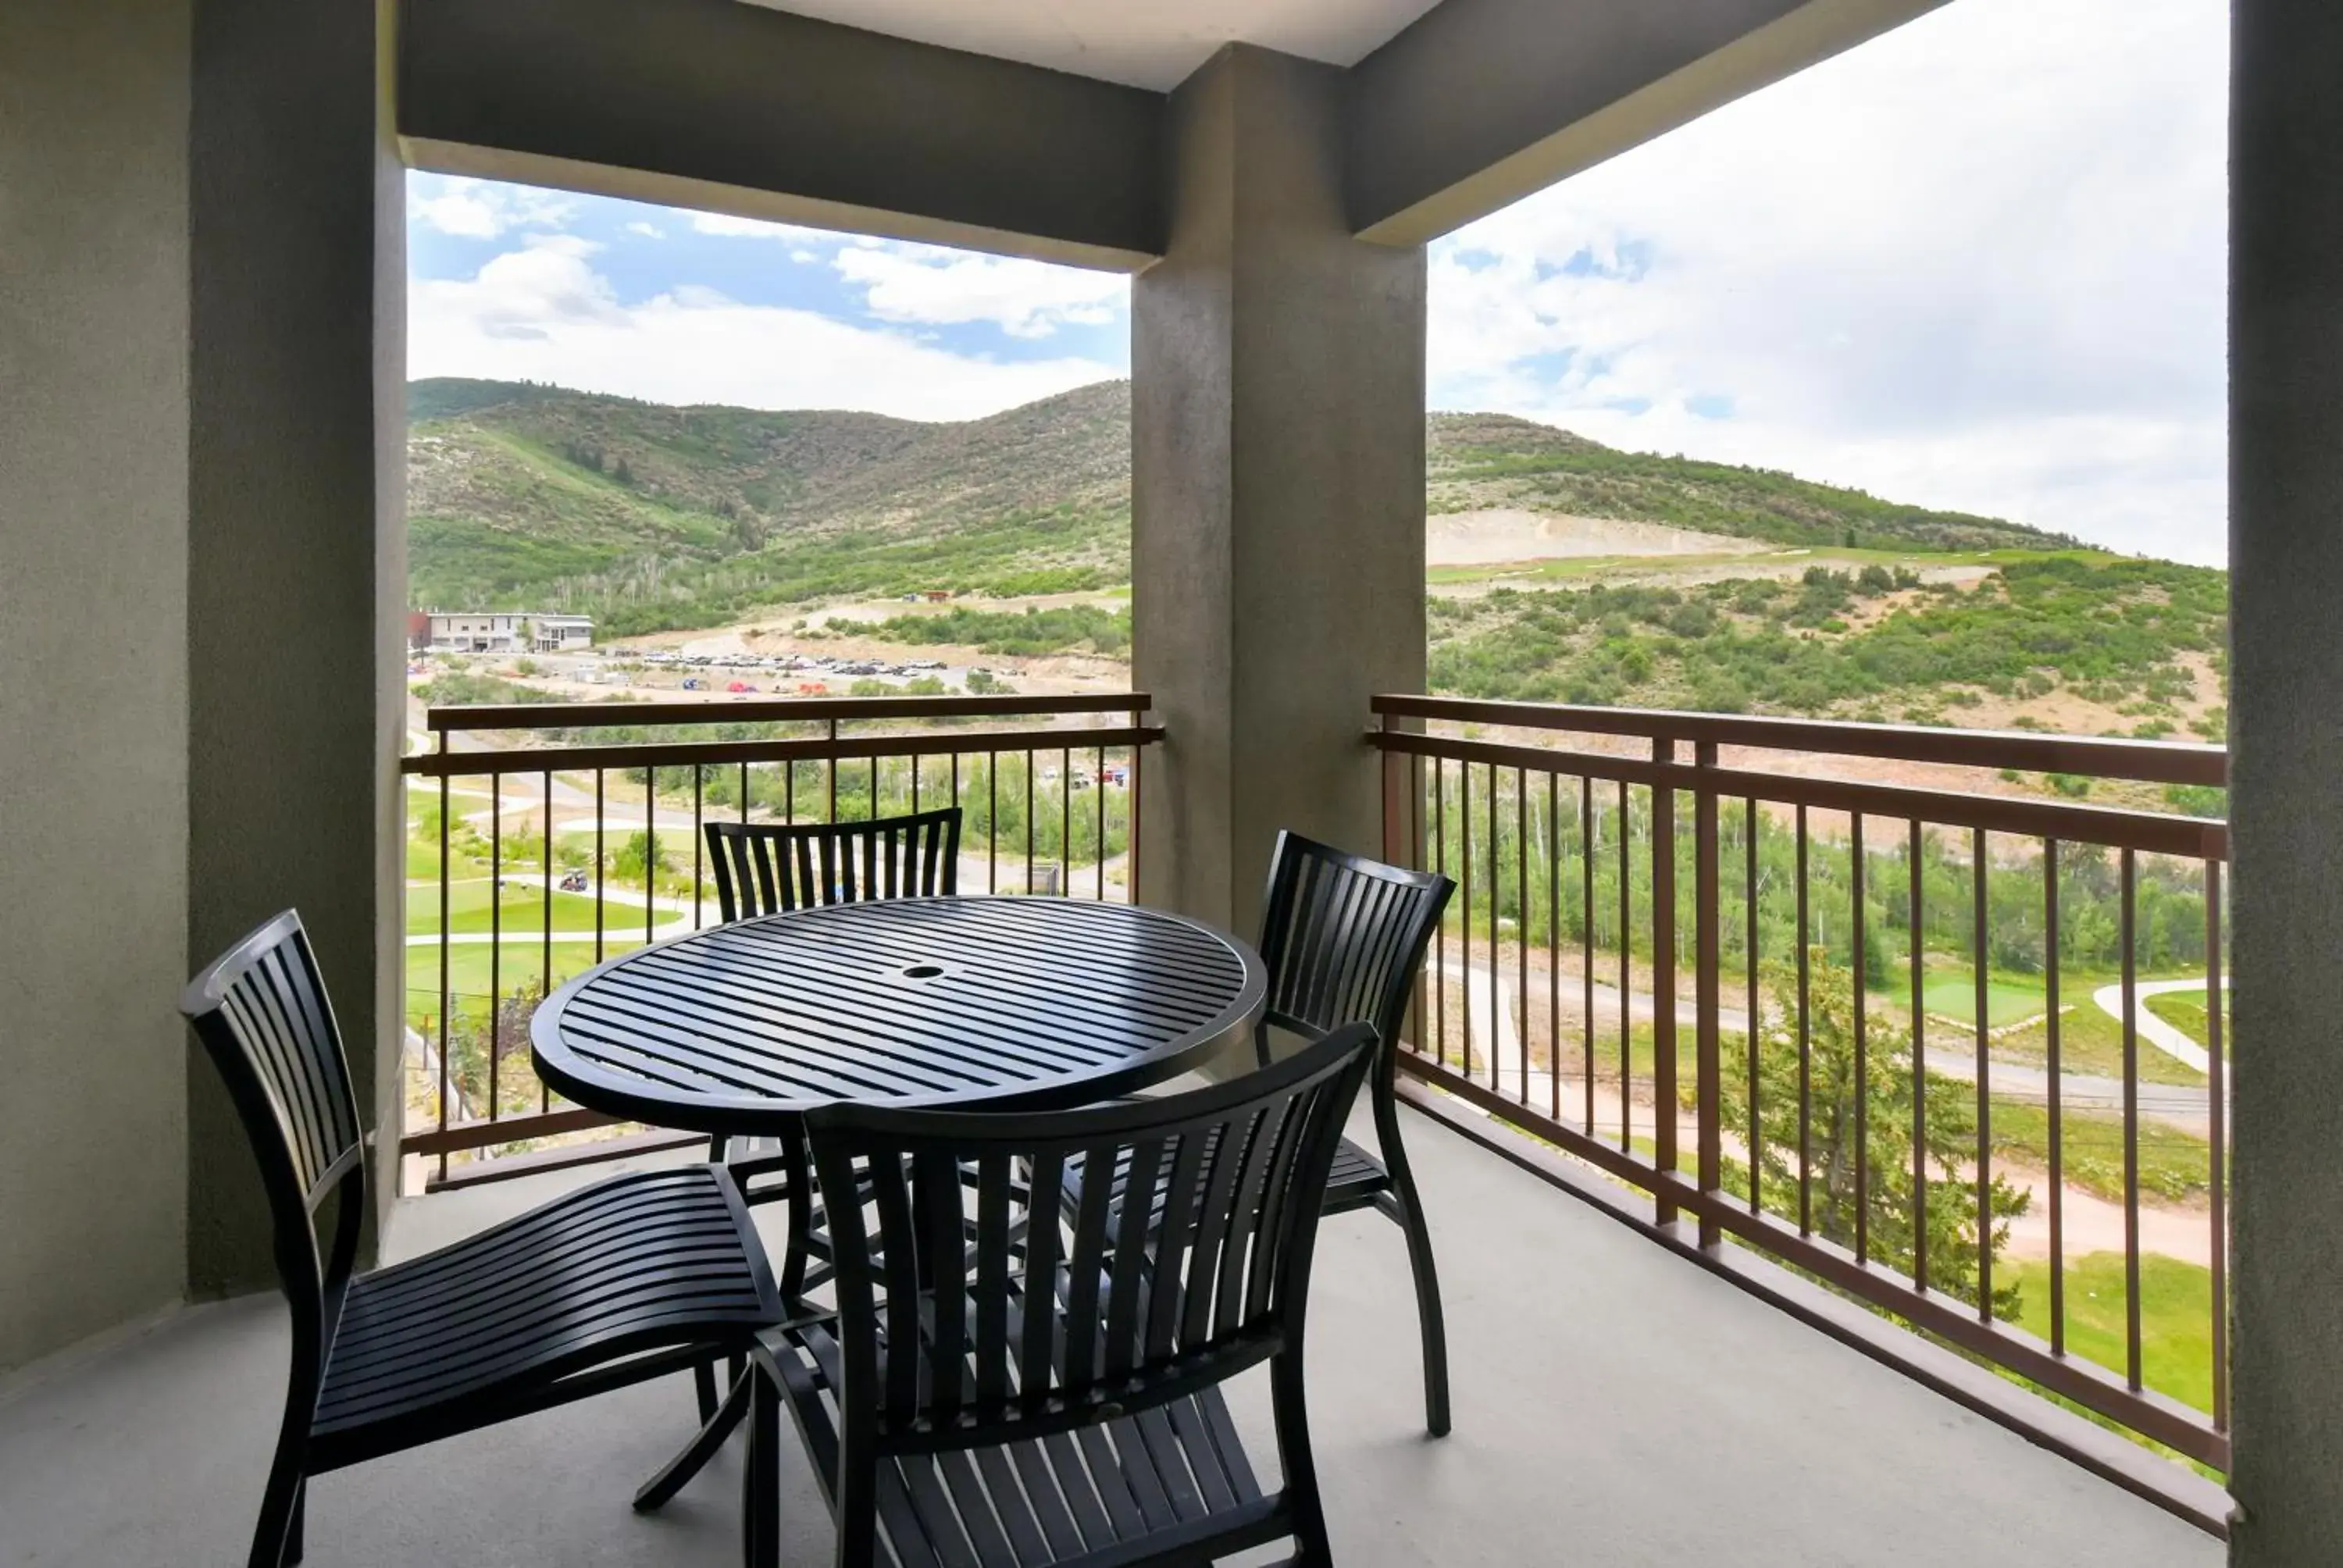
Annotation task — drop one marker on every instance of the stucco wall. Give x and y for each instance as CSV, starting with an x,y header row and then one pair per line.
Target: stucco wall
x,y
92,665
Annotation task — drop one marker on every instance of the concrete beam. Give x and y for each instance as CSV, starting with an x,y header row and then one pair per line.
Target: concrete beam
x,y
1479,102
2286,817
722,106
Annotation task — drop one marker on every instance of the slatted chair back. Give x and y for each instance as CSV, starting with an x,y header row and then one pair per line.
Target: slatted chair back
x,y
1342,937
765,869
1191,1269
261,1011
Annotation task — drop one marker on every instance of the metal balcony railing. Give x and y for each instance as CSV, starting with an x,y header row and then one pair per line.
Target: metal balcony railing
x,y
1655,962
545,838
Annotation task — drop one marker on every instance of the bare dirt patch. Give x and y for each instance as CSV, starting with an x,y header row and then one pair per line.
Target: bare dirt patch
x,y
1491,535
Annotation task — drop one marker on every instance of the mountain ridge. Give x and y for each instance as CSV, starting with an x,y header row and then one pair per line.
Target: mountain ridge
x,y
654,516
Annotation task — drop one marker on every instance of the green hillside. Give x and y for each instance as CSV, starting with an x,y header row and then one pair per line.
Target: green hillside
x,y
651,517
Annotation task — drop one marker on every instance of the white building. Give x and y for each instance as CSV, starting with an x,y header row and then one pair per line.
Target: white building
x,y
505,631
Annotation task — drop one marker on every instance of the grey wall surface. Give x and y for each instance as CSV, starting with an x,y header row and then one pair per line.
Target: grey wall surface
x,y
748,104
92,665
1277,486
296,565
2285,809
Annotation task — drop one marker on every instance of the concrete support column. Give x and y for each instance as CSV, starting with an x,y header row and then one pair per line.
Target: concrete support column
x,y
1277,486
2286,558
296,561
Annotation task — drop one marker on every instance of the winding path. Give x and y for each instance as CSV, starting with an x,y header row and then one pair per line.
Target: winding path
x,y
2174,1042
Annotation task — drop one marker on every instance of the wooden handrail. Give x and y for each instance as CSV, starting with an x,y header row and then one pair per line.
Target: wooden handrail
x,y
2148,761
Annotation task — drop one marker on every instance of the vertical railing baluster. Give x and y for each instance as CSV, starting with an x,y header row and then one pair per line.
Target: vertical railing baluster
x,y
1708,963
1862,1059
544,973
830,768
2217,1127
1805,1045
650,846
1440,931
699,842
2127,918
1586,835
1098,782
601,861
1496,961
1130,827
1916,924
1984,965
1030,834
1065,821
496,934
1464,903
992,821
447,1000
2058,1095
1663,976
1749,1017
1626,977
1554,944
1522,920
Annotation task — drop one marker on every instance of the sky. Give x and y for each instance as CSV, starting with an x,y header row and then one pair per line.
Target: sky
x,y
1977,264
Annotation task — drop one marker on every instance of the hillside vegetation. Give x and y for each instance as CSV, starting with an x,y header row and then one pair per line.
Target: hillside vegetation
x,y
653,517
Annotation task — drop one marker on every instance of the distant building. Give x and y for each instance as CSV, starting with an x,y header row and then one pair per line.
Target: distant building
x,y
500,631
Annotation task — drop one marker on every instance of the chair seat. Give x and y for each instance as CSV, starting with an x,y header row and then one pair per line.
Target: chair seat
x,y
1130,1486
472,1334
1355,1178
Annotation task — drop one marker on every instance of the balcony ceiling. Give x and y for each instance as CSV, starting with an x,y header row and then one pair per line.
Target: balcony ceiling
x,y
1152,44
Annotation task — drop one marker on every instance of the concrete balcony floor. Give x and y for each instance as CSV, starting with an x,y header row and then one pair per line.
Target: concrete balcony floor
x,y
1614,1404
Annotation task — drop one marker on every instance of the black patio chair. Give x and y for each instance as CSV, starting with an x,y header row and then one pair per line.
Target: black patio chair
x,y
1010,1380
630,1279
1343,937
763,868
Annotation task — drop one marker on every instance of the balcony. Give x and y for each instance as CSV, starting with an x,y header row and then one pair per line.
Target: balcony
x,y
1629,1329
1615,1404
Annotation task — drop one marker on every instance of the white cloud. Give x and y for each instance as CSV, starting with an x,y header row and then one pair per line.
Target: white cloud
x,y
1978,263
480,209
543,313
648,230
929,285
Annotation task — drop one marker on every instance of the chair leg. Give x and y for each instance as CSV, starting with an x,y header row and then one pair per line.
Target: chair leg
x,y
760,1493
295,1527
1291,1414
1433,1323
703,1384
703,1448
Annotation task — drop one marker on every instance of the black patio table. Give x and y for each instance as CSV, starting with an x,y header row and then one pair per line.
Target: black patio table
x,y
1004,1002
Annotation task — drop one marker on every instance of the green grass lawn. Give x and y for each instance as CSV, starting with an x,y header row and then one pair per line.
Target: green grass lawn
x,y
1952,993
2174,1166
2089,1042
2185,1010
522,971
2176,1306
468,912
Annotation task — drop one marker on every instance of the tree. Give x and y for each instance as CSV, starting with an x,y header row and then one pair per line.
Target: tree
x,y
624,474
1951,1217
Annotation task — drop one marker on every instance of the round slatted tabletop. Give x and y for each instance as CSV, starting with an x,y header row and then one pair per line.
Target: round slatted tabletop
x,y
1003,1002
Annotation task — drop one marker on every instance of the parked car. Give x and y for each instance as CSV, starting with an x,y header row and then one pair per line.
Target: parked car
x,y
693,683
741,686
